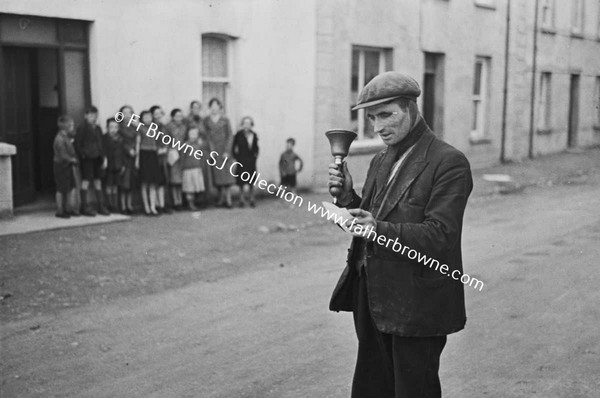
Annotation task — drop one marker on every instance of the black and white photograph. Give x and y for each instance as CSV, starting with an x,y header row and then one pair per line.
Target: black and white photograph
x,y
300,198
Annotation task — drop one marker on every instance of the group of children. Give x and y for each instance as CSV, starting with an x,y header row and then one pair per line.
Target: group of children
x,y
124,158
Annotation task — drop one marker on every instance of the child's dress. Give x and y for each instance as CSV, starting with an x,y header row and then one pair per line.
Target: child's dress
x,y
192,179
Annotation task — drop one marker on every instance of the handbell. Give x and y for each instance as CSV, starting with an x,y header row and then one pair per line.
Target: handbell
x,y
339,140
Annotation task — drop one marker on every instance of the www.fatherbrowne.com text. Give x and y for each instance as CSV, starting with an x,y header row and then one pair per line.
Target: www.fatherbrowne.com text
x,y
236,170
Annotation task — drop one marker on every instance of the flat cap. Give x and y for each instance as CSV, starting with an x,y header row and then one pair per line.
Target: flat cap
x,y
386,87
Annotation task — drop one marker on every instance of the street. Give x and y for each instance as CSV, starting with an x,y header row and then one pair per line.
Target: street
x,y
195,305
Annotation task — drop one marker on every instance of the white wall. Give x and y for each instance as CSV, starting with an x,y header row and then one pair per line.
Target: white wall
x,y
146,53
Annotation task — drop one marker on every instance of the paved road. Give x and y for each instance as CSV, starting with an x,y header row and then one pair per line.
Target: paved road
x,y
266,332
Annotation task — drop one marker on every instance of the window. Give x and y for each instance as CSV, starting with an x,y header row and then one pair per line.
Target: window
x,y
577,17
597,102
215,68
480,98
544,124
367,62
547,11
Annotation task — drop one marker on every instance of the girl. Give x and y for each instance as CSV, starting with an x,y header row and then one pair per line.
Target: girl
x,y
177,129
130,137
193,182
220,139
147,161
195,115
245,151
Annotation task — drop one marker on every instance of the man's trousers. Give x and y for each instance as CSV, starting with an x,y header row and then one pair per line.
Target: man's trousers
x,y
389,365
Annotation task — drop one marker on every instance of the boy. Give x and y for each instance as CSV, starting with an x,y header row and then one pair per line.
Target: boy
x,y
115,161
64,160
287,166
89,147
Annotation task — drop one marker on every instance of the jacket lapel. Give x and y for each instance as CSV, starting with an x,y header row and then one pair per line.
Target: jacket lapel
x,y
413,165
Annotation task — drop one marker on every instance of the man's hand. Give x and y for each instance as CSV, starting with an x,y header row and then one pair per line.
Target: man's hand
x,y
364,219
341,180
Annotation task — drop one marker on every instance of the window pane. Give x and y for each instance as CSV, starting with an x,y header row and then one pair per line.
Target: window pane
x,y
475,115
477,78
214,90
371,65
214,57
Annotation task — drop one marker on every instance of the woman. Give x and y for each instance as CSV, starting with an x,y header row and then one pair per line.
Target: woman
x,y
177,129
194,118
220,139
245,151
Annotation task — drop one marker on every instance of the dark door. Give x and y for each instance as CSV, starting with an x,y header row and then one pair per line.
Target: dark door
x,y
17,68
433,92
573,111
429,99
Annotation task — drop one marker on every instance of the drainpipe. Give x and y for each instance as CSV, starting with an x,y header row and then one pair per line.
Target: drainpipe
x,y
533,78
505,88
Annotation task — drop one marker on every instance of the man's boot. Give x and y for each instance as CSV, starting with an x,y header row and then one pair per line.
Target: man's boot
x,y
101,203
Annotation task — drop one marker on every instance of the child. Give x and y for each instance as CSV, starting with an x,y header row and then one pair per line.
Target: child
x,y
127,182
157,116
147,162
115,155
64,160
88,145
193,181
287,165
177,130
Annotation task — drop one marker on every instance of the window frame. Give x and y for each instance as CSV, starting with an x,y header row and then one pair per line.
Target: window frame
x,y
226,81
544,104
548,25
596,123
577,25
480,133
385,64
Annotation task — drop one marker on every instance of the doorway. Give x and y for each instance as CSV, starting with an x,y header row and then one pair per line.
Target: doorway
x,y
43,73
573,112
433,92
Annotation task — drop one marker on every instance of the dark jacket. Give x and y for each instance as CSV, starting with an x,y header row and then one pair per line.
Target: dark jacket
x,y
424,211
243,153
88,141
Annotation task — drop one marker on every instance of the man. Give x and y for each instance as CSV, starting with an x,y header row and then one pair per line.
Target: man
x,y
416,191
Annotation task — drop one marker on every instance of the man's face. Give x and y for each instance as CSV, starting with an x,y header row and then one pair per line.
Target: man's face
x,y
389,121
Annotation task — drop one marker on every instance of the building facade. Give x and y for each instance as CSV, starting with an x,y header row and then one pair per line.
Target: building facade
x,y
496,84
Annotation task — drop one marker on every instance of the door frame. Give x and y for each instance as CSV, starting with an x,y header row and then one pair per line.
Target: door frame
x,y
61,45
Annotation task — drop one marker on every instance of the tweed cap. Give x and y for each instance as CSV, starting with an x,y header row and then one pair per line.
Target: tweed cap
x,y
386,87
